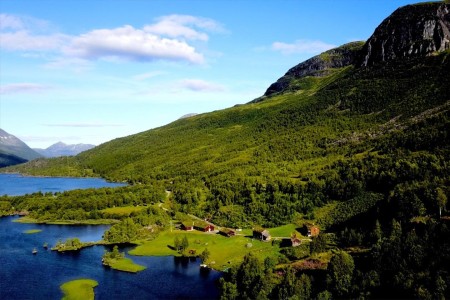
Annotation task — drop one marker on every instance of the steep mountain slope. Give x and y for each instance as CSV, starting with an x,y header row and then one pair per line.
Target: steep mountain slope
x,y
62,149
13,151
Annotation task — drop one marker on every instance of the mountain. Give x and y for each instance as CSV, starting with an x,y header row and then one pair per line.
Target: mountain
x,y
188,115
61,149
319,66
13,151
314,115
411,31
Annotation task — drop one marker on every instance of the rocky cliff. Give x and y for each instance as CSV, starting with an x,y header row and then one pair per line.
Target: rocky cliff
x,y
411,31
318,66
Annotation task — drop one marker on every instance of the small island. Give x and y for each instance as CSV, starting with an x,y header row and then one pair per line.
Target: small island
x,y
32,231
79,289
116,260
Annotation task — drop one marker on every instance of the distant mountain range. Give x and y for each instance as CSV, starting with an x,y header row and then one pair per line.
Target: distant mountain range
x,y
13,151
62,149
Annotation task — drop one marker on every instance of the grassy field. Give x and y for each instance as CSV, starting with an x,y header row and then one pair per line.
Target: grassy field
x,y
80,289
31,231
224,251
123,211
126,265
284,231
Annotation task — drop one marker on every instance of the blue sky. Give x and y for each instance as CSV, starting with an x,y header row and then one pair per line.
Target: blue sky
x,y
89,71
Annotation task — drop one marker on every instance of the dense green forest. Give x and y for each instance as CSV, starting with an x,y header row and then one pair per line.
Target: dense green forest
x,y
363,152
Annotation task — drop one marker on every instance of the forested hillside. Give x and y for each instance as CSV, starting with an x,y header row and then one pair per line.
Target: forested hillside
x,y
359,147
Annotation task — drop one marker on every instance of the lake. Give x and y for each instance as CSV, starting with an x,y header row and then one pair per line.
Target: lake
x,y
27,276
16,184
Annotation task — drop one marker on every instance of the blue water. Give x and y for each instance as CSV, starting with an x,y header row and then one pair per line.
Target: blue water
x,y
27,276
16,185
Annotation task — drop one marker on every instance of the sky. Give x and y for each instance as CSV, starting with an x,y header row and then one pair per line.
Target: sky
x,y
89,71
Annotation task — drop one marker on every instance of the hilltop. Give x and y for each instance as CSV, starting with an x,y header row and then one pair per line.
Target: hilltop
x,y
62,149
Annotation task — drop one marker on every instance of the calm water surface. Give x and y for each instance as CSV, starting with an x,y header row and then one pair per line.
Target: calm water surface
x,y
27,276
15,184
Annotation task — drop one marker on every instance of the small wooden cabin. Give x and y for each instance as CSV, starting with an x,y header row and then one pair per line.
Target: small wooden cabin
x,y
295,241
227,232
261,234
203,226
311,230
188,226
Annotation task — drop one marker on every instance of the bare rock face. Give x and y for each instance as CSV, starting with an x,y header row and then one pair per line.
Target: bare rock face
x,y
318,66
411,31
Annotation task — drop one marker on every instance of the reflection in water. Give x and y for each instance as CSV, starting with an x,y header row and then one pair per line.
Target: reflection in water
x,y
27,276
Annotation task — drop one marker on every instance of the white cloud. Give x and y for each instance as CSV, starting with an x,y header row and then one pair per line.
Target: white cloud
x,y
10,22
164,40
24,87
131,44
176,26
23,40
199,85
302,46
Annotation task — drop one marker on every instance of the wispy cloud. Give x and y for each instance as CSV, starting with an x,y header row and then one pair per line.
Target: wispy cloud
x,y
23,87
166,39
25,41
302,46
184,26
10,22
199,85
82,125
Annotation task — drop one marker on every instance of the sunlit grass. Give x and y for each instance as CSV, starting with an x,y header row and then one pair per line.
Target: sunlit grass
x,y
80,289
126,265
224,251
125,210
32,231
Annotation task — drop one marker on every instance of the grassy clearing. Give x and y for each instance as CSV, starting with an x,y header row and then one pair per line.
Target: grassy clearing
x,y
123,211
32,231
125,265
225,251
80,289
284,231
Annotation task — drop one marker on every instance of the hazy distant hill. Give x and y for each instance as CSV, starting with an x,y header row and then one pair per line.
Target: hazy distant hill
x,y
62,149
13,151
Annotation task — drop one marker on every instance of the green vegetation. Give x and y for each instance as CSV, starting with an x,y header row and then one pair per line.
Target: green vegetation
x,y
116,260
72,244
32,231
223,251
80,289
122,211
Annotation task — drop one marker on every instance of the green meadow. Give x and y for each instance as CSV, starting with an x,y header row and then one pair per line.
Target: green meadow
x,y
224,251
80,289
125,265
